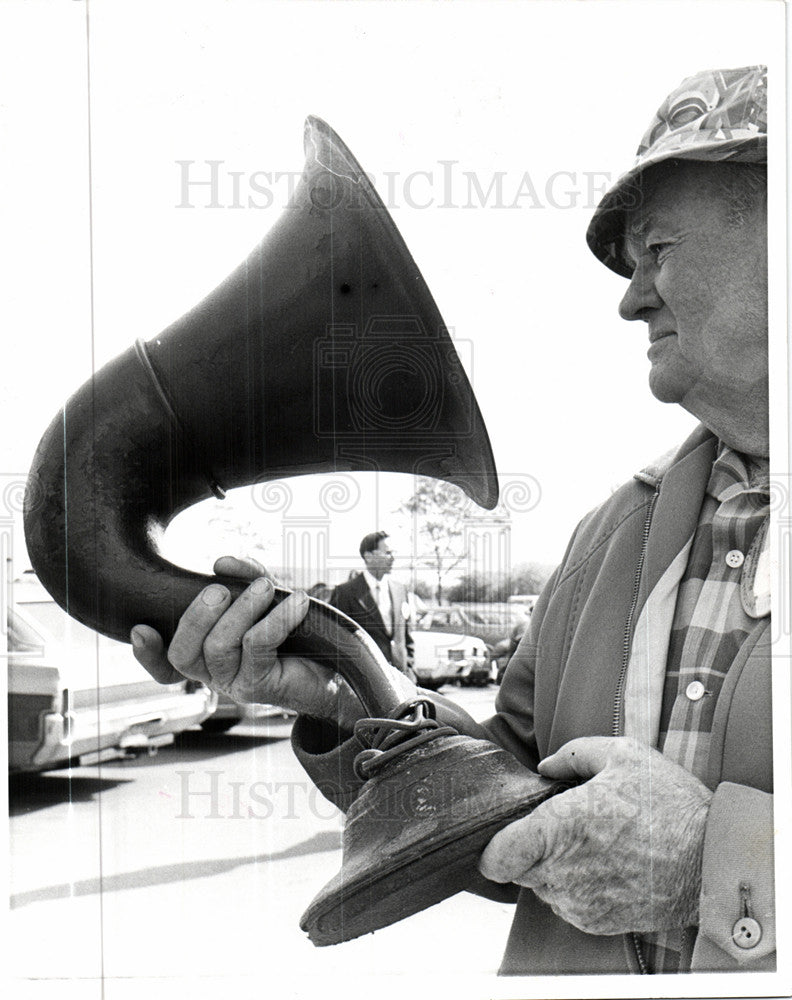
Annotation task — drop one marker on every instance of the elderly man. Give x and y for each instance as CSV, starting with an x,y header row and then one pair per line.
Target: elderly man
x,y
646,669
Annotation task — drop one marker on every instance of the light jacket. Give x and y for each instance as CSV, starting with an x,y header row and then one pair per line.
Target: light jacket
x,y
606,610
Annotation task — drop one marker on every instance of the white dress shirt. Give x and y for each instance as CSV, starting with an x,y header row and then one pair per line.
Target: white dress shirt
x,y
380,591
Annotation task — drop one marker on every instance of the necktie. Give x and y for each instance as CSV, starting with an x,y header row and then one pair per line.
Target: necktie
x,y
384,605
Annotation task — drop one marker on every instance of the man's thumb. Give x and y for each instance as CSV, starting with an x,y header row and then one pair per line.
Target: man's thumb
x,y
580,758
514,850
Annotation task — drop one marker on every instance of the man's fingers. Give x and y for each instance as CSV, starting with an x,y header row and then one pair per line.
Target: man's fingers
x,y
515,849
222,647
582,758
243,569
149,650
262,639
186,649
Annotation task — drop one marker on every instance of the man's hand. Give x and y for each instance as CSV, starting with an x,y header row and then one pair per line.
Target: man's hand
x,y
232,647
619,853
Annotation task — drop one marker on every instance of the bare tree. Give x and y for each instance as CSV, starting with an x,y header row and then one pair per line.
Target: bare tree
x,y
437,511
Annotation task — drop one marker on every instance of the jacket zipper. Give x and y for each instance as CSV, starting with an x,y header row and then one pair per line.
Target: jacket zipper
x,y
619,702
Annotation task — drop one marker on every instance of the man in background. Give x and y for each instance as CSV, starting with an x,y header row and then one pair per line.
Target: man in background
x,y
377,603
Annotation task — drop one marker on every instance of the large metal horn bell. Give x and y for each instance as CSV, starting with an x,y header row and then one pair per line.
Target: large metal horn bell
x,y
322,351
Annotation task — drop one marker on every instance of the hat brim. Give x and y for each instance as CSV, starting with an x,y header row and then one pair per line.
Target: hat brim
x,y
606,229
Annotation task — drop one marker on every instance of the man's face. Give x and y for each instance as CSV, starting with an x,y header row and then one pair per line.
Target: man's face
x,y
379,561
700,284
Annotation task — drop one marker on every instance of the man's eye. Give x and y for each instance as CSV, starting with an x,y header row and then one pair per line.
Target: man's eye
x,y
657,249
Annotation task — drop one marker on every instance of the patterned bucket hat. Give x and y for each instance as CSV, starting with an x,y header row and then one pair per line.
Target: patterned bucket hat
x,y
713,116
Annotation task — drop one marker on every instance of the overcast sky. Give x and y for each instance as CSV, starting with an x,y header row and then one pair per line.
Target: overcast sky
x,y
439,102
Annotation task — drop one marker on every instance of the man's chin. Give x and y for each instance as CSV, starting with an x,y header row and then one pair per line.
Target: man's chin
x,y
667,385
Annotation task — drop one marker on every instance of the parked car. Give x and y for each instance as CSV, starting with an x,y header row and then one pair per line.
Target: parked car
x,y
526,601
505,649
442,658
488,622
75,697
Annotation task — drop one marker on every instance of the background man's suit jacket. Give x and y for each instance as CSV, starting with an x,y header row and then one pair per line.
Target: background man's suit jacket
x,y
356,600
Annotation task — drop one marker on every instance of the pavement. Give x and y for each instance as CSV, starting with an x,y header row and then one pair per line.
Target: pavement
x,y
185,875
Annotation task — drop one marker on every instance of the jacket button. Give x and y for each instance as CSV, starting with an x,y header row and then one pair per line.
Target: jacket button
x,y
695,690
735,558
746,933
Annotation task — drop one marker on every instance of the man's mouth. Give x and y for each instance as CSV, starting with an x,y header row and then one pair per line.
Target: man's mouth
x,y
659,334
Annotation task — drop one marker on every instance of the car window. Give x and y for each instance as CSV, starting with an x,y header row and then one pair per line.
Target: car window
x,y
61,626
22,638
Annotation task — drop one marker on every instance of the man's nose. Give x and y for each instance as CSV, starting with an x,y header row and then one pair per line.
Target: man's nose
x,y
641,296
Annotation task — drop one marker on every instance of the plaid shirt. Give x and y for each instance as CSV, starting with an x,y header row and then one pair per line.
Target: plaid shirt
x,y
710,624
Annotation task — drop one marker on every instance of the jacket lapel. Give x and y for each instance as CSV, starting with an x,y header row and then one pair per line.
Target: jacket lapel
x,y
366,601
609,547
682,486
679,501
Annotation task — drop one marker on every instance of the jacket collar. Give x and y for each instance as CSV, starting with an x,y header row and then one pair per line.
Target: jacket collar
x,y
654,473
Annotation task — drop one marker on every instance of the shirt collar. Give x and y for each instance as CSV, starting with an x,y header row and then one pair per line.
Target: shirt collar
x,y
373,583
734,473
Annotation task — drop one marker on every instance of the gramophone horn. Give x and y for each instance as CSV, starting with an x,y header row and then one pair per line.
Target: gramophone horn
x,y
322,351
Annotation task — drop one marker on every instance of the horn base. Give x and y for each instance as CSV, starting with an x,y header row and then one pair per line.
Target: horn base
x,y
415,832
